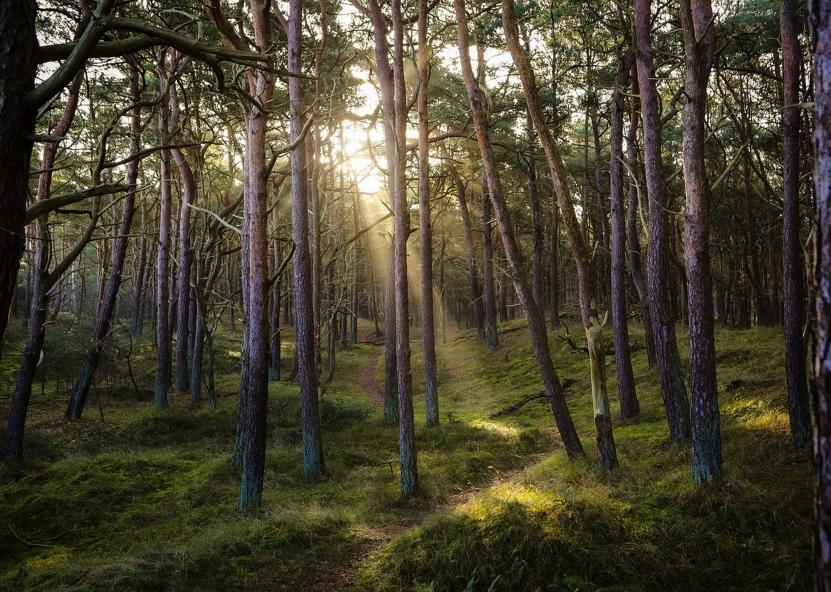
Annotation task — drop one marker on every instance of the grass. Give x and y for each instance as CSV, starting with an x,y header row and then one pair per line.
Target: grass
x,y
561,525
146,500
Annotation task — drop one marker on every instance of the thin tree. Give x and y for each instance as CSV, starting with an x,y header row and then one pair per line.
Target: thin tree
x,y
104,319
307,373
793,280
401,222
431,395
632,210
390,371
476,307
488,283
607,452
163,252
137,308
41,283
629,405
699,47
673,390
183,292
536,322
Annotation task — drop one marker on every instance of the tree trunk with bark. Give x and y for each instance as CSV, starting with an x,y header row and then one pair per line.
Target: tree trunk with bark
x,y
699,46
183,292
488,290
536,217
536,322
254,372
636,190
629,405
401,221
18,64
554,270
313,465
163,254
820,16
431,395
476,308
607,453
673,390
390,372
793,280
137,313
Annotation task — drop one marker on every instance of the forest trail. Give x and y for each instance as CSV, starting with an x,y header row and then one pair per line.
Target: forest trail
x,y
340,575
367,379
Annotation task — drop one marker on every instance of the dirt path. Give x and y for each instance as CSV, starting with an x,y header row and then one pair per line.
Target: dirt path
x,y
340,574
367,380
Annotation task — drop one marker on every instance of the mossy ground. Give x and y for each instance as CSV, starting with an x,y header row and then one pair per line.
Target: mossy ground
x,y
146,499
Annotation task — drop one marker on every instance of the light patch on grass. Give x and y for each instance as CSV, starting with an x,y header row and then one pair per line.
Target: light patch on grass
x,y
505,431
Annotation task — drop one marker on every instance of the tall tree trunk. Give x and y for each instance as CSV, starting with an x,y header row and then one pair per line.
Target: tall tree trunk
x,y
198,350
183,292
793,280
629,405
554,270
431,395
104,320
673,390
699,46
356,257
632,232
401,221
40,286
18,64
536,218
607,452
488,291
390,372
254,374
476,308
137,316
601,221
536,322
276,300
442,292
31,356
163,253
820,16
313,466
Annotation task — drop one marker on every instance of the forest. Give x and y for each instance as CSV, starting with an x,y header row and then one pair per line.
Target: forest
x,y
415,295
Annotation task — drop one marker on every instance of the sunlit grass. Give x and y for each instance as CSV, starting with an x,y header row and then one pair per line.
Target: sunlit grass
x,y
146,500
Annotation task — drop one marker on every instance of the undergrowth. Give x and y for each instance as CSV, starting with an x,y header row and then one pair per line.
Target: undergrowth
x,y
131,498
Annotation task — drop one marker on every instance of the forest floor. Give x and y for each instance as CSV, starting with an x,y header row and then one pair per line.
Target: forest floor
x,y
130,498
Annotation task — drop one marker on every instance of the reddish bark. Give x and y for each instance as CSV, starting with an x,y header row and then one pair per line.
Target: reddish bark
x,y
607,455
307,371
629,405
431,396
699,46
793,280
536,322
673,390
